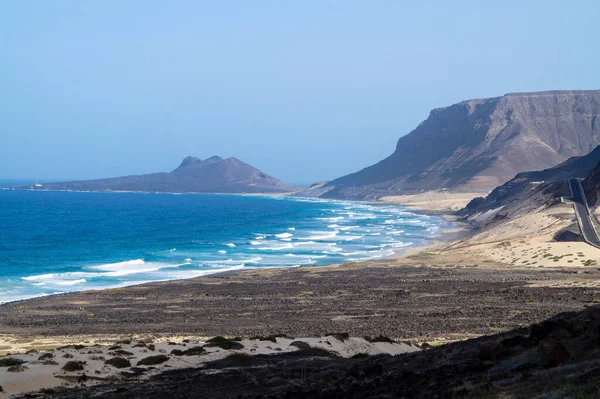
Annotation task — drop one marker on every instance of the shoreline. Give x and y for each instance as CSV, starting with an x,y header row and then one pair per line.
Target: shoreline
x,y
455,288
448,233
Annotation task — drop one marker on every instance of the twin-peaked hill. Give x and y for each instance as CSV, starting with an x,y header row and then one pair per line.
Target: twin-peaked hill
x,y
213,175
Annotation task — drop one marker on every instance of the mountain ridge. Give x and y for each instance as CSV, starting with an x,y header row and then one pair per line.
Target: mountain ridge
x,y
193,175
478,144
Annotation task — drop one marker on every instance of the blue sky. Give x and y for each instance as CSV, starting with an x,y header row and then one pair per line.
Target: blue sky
x,y
304,90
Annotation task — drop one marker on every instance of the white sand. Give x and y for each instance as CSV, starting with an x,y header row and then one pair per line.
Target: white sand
x,y
434,201
527,241
39,375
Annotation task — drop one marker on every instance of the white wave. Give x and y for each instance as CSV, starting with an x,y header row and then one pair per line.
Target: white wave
x,y
277,248
353,253
72,282
332,219
394,232
255,243
221,251
223,264
118,265
350,238
127,267
291,228
230,245
322,235
67,278
187,260
345,228
284,235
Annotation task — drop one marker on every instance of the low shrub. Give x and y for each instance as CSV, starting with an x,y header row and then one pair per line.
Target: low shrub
x,y
380,338
10,361
152,360
339,336
46,356
118,362
272,338
223,343
120,352
16,369
73,365
193,351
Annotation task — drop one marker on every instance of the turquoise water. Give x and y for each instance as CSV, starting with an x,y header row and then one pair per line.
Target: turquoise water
x,y
54,242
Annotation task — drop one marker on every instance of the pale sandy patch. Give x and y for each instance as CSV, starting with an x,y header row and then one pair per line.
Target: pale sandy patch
x,y
528,241
433,201
545,254
39,375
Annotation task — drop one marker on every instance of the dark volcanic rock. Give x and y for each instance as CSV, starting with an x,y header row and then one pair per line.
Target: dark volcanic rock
x,y
213,175
478,144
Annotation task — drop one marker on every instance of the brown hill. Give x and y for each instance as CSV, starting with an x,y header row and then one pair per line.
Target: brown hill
x,y
477,145
213,175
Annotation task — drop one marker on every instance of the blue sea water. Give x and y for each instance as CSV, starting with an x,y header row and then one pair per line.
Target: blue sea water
x,y
55,242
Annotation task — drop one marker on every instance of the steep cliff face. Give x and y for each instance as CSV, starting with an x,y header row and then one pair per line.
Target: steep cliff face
x,y
194,175
477,145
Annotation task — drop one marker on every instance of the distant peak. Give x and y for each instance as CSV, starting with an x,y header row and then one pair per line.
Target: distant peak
x,y
214,158
189,160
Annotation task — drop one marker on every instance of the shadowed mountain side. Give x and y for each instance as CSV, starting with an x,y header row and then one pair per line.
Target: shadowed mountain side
x,y
213,175
524,184
478,144
591,185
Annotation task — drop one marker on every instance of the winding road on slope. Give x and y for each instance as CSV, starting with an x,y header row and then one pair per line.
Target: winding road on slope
x,y
583,213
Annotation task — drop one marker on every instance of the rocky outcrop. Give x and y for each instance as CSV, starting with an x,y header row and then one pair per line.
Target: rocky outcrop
x,y
194,175
477,145
523,186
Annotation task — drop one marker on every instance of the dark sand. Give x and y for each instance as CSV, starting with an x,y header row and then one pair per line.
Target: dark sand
x,y
454,297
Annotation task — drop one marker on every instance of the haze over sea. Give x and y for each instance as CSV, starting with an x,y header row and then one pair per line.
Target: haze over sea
x,y
54,242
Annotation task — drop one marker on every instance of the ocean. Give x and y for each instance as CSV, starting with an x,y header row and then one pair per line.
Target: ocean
x,y
54,242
